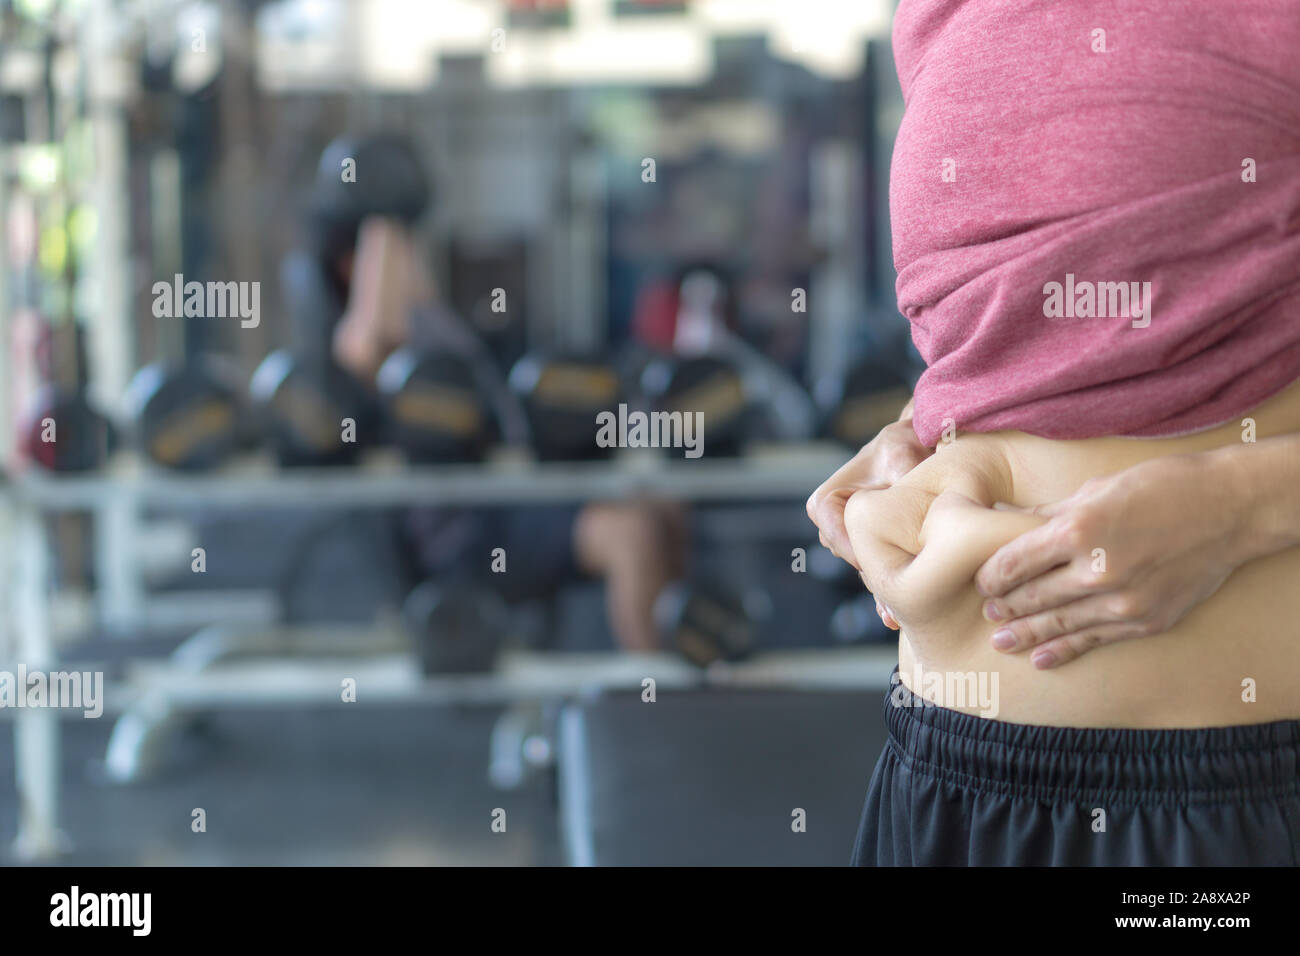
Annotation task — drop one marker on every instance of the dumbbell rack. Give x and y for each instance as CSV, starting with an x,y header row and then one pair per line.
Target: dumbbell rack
x,y
116,496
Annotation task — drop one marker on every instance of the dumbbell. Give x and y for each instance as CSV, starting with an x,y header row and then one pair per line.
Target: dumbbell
x,y
190,416
434,408
562,395
390,180
871,396
707,621
64,432
455,628
312,413
61,429
707,385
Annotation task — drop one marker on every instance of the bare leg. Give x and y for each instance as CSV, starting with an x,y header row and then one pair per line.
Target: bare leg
x,y
636,548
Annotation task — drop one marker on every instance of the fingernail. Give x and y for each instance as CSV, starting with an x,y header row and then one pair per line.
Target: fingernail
x,y
1043,660
992,612
1004,640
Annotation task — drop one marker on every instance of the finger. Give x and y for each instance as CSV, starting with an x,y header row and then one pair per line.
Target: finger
x,y
886,618
886,615
1071,647
1057,587
828,514
882,564
1053,508
1037,629
1028,556
898,459
1049,510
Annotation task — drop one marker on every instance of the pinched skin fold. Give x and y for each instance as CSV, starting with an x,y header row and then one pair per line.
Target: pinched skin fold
x,y
922,541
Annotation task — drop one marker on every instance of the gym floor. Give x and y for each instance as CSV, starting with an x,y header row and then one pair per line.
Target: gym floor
x,y
301,786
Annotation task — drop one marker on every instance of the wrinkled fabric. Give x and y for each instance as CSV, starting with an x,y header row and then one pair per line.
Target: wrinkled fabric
x,y
1105,140
951,789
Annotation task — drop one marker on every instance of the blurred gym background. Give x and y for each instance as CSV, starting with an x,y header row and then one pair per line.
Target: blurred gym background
x,y
341,613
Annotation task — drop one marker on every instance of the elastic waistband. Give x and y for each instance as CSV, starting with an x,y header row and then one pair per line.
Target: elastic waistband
x,y
1203,765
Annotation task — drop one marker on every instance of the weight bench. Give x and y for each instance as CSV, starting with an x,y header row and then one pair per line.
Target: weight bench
x,y
713,777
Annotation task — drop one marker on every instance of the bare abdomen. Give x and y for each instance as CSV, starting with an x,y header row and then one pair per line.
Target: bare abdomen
x,y
1235,659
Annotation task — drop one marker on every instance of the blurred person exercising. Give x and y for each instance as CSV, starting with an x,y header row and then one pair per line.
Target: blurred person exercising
x,y
363,290
1097,234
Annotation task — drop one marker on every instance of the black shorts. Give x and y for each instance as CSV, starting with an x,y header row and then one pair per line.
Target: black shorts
x,y
459,544
952,789
539,551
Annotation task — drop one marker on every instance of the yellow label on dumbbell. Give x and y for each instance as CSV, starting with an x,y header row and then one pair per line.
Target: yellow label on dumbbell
x,y
320,424
720,399
697,648
860,418
576,385
185,430
441,409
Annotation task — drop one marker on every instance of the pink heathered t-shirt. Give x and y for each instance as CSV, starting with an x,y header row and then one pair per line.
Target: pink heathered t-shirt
x,y
1096,212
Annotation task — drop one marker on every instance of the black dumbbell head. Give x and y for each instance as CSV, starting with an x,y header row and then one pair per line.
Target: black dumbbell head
x,y
390,181
710,386
562,396
312,413
434,409
188,417
871,396
708,621
64,432
455,628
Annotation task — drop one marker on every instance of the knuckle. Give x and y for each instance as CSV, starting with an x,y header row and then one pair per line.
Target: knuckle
x,y
1090,581
1149,627
1073,532
1028,632
1005,566
1056,623
1039,628
1127,606
1158,621
1091,639
1131,629
1029,595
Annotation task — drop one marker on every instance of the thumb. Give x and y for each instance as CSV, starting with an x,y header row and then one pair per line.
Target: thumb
x,y
1052,508
1049,510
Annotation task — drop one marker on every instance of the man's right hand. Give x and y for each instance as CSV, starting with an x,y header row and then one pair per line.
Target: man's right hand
x,y
891,454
